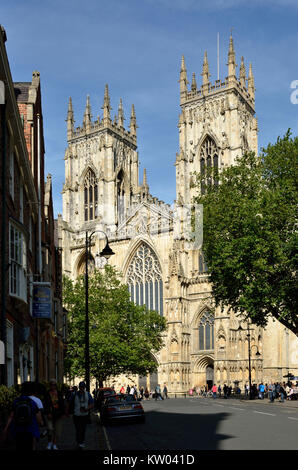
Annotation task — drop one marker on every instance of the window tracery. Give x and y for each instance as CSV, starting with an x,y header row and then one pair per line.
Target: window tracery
x,y
206,331
90,196
208,161
144,279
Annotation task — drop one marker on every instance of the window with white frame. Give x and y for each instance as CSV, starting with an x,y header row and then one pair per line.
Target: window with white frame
x,y
17,263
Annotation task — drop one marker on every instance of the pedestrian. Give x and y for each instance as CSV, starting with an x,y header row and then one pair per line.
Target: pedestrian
x,y
214,390
225,390
282,394
271,392
55,415
80,405
165,391
142,393
219,390
24,419
158,392
128,389
122,390
261,391
147,394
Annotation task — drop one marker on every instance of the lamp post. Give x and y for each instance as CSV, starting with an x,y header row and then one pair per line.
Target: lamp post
x,y
106,253
249,355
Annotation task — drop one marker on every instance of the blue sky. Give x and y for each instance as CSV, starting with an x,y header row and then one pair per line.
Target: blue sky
x,y
136,46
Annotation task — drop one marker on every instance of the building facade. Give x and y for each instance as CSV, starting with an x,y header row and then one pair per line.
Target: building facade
x,y
33,347
163,269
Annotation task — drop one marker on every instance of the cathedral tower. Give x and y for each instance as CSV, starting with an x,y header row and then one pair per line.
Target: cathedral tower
x,y
217,123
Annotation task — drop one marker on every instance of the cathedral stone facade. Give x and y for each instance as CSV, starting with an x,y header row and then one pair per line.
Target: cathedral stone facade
x,y
163,269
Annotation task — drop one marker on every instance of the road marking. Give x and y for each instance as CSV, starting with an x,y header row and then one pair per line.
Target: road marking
x,y
106,438
236,408
296,419
261,413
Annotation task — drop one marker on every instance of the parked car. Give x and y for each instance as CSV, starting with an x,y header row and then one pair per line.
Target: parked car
x,y
102,394
121,407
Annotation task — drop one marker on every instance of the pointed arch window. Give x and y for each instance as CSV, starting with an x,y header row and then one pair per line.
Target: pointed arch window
x,y
144,279
206,331
208,161
90,196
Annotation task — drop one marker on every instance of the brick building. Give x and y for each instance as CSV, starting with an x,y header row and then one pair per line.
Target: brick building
x,y
33,346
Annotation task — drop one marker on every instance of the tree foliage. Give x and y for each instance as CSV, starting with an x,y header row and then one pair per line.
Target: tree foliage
x,y
250,234
122,335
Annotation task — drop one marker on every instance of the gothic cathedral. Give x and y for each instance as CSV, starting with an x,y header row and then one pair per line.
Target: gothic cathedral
x,y
102,192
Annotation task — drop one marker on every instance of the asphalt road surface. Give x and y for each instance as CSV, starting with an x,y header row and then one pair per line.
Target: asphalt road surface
x,y
208,424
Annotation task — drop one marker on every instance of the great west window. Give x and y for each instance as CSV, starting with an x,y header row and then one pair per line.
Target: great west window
x,y
145,280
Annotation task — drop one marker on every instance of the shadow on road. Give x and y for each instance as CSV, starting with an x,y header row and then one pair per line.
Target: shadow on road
x,y
171,431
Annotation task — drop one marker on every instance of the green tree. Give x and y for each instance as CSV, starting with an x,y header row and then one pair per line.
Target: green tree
x,y
122,335
250,234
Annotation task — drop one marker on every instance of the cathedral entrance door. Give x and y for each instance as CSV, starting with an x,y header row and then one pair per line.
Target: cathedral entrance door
x,y
209,376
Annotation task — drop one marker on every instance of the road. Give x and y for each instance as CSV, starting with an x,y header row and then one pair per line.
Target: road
x,y
208,424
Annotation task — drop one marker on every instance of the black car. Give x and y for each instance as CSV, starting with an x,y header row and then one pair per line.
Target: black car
x,y
121,407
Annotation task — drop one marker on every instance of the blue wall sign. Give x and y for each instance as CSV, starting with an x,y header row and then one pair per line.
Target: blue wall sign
x,y
42,302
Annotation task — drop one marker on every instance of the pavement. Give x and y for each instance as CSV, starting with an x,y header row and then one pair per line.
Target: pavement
x,y
291,404
94,438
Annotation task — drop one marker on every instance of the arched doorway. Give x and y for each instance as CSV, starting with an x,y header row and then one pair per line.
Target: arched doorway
x,y
203,372
209,376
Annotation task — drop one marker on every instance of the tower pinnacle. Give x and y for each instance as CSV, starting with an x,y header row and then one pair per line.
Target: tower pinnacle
x,y
120,114
251,83
70,120
183,79
133,122
231,60
106,106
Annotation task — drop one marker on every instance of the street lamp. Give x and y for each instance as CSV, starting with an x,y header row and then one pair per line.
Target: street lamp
x,y
107,252
249,356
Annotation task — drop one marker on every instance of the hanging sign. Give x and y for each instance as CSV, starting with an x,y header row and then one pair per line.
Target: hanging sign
x,y
42,300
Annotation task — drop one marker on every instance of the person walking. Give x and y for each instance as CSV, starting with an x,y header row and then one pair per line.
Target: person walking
x,y
214,390
158,393
225,390
271,393
165,391
261,391
147,393
55,415
80,405
24,420
282,393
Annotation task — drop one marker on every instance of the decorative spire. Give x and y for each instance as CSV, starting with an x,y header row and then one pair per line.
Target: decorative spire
x,y
194,83
251,83
106,106
70,120
205,74
145,184
242,73
87,114
120,114
231,59
183,79
133,122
